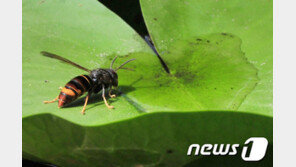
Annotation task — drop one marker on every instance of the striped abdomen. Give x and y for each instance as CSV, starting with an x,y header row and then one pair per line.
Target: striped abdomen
x,y
74,89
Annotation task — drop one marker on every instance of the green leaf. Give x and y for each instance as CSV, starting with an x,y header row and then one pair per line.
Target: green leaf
x,y
208,73
157,139
150,124
83,31
172,20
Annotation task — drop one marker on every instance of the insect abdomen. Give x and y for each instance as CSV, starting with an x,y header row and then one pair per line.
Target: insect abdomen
x,y
74,89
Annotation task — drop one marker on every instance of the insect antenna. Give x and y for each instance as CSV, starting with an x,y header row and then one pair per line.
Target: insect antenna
x,y
111,65
125,68
124,64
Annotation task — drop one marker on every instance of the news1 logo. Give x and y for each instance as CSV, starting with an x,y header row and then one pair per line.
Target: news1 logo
x,y
254,149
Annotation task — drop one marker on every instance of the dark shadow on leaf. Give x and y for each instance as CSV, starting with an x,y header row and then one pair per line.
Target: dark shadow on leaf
x,y
119,157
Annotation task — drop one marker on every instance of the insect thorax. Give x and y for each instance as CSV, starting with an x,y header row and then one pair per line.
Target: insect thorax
x,y
106,77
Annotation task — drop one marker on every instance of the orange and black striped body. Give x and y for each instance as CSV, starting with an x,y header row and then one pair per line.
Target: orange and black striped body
x,y
74,89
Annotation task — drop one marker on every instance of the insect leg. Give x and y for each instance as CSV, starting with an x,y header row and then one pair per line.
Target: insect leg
x,y
103,95
110,91
46,102
85,103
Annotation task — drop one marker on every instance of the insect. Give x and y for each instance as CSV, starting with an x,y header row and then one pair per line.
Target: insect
x,y
97,80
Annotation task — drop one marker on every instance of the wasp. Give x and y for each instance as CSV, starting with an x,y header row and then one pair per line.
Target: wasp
x,y
96,81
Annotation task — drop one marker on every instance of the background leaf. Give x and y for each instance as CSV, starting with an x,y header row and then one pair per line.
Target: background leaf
x,y
157,139
173,20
